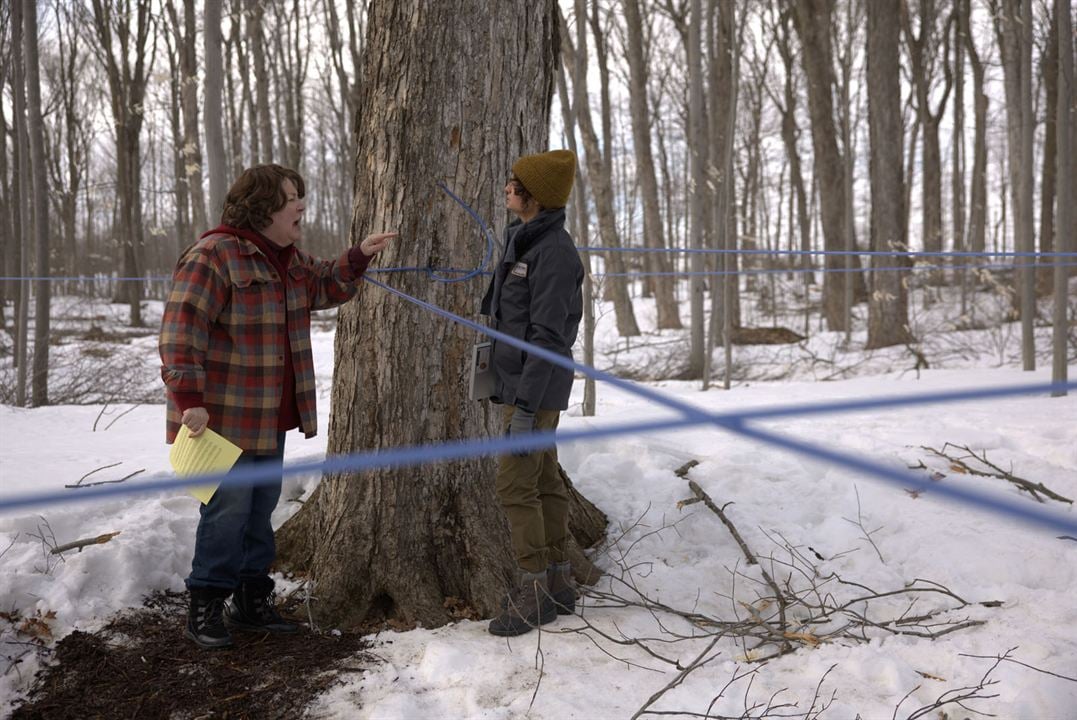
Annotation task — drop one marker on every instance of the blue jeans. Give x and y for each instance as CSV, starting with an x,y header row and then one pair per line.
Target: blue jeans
x,y
234,540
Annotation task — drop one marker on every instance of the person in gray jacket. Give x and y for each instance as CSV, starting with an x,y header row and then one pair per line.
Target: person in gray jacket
x,y
535,296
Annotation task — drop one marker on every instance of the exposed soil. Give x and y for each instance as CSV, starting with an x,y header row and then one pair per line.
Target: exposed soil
x,y
141,666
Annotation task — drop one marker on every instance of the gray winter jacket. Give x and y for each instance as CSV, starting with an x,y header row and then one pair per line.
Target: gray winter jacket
x,y
535,296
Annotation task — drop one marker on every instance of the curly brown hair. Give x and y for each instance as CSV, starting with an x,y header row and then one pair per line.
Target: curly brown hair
x,y
257,194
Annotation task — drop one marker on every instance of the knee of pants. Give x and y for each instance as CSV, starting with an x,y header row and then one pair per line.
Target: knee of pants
x,y
517,481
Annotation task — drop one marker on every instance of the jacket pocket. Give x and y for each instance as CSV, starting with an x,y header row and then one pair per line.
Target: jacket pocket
x,y
257,294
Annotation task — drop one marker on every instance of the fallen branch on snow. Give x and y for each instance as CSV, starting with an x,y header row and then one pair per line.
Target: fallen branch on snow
x,y
958,464
79,544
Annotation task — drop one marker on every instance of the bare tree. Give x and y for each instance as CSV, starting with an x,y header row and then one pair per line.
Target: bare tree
x,y
186,38
1049,72
122,35
72,130
888,308
412,543
666,303
787,108
1064,210
217,161
814,19
697,195
925,56
581,232
957,156
599,171
977,226
724,86
8,238
846,59
36,126
289,68
1013,28
21,185
261,117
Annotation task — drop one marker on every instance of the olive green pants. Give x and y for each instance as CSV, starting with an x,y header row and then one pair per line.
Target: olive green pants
x,y
534,498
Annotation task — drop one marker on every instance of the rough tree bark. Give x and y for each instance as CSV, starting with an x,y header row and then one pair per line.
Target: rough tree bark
x,y
442,98
888,308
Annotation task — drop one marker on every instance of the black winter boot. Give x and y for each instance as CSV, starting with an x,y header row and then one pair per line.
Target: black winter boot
x,y
252,608
205,624
527,606
562,588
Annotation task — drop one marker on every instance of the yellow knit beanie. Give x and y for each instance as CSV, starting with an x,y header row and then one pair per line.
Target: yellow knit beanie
x,y
547,176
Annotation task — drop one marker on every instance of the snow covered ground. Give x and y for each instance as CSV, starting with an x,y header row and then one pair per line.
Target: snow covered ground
x,y
810,524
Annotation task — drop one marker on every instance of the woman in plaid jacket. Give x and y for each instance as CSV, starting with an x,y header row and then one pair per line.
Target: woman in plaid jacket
x,y
236,356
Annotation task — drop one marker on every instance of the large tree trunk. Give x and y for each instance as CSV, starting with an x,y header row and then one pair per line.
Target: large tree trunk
x,y
813,23
441,99
665,302
888,309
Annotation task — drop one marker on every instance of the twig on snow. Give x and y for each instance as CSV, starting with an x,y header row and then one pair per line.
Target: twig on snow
x,y
79,544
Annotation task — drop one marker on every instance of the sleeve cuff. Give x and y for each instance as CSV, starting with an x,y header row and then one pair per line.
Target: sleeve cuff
x,y
357,263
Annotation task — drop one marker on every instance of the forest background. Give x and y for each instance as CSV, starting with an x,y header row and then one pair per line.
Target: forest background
x,y
837,189
730,126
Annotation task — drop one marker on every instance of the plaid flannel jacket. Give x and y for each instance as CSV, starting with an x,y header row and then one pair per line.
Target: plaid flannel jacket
x,y
222,335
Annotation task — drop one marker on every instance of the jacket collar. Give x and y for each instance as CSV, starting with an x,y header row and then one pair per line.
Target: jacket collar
x,y
250,241
526,235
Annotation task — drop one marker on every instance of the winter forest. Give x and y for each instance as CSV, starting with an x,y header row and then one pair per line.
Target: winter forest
x,y
844,230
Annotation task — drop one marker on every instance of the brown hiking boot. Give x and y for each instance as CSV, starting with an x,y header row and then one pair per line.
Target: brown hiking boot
x,y
527,606
562,587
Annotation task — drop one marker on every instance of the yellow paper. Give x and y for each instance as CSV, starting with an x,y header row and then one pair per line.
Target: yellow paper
x,y
205,454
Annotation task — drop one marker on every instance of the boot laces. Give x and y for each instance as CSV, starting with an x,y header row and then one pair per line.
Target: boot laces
x,y
265,609
211,613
